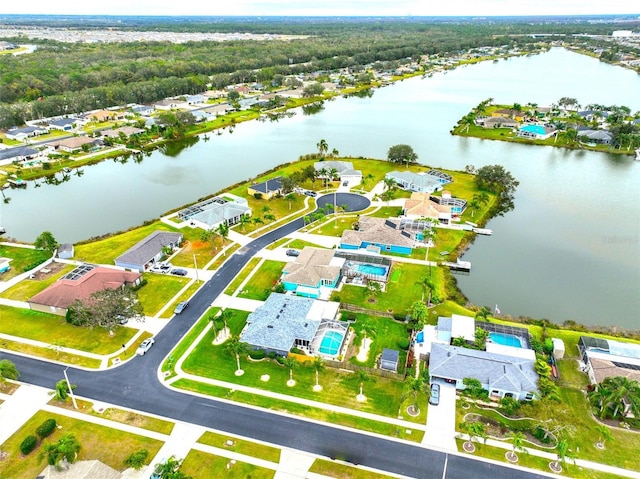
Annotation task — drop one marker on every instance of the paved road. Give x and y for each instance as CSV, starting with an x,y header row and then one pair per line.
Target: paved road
x,y
135,385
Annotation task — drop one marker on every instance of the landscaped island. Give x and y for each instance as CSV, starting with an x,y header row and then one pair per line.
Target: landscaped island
x,y
611,129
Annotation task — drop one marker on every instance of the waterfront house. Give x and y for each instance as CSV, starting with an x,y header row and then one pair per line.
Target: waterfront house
x,y
377,234
599,137
536,132
284,322
605,358
421,205
315,273
80,284
127,131
421,182
499,122
343,170
148,251
143,110
76,143
266,189
19,153
456,205
210,214
21,134
65,251
517,115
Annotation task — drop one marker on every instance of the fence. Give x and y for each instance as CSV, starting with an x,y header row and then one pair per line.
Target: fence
x,y
373,372
359,309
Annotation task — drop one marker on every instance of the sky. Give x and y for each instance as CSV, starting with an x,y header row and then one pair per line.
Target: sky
x,y
325,7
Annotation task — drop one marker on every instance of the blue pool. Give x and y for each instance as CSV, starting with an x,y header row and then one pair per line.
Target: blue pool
x,y
506,339
536,129
420,337
331,342
371,269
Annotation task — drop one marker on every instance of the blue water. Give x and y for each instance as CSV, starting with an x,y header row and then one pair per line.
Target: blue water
x,y
537,129
505,339
331,342
420,337
371,269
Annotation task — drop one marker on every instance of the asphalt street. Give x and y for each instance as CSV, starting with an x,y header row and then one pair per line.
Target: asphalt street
x,y
135,385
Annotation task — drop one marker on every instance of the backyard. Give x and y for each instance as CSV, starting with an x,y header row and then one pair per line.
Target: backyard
x,y
22,259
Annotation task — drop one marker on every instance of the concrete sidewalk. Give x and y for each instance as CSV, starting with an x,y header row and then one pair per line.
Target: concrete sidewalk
x,y
19,407
441,421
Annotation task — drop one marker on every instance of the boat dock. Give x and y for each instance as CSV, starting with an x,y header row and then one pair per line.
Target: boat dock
x,y
483,231
458,266
17,183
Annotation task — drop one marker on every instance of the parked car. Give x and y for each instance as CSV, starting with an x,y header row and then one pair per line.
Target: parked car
x,y
145,346
181,306
313,194
345,183
434,398
161,268
293,252
179,271
122,320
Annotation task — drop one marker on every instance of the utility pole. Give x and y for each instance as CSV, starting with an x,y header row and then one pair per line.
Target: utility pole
x,y
73,398
195,263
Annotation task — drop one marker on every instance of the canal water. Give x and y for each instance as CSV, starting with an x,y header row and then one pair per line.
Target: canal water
x,y
569,251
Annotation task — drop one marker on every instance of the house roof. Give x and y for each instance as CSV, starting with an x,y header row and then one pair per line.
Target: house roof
x,y
273,184
143,251
604,368
75,142
375,230
421,205
343,167
596,134
500,121
81,470
283,318
216,213
24,130
17,152
498,371
63,121
65,291
418,179
127,130
311,266
391,355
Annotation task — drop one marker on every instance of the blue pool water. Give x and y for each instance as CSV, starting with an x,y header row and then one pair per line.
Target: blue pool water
x,y
420,337
331,342
505,339
372,269
537,129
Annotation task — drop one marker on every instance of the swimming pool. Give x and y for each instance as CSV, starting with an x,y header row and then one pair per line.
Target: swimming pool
x,y
371,269
536,129
420,337
506,339
331,341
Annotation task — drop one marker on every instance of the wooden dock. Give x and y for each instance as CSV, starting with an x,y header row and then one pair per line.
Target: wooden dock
x,y
461,266
483,231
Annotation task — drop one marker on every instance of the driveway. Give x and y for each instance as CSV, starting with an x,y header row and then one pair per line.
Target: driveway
x,y
441,421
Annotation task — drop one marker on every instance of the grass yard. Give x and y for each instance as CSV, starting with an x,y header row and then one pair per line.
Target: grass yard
x,y
343,471
339,387
53,329
300,244
203,251
262,282
137,420
240,277
446,240
401,292
21,258
199,464
329,226
386,212
50,352
27,288
278,243
189,338
191,290
159,290
241,446
221,258
389,333
110,446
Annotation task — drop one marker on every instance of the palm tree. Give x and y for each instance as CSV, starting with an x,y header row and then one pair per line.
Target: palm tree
x,y
323,147
362,376
600,399
623,391
8,370
223,231
415,386
333,173
604,434
563,452
484,313
290,197
474,204
256,220
322,173
318,365
517,444
244,219
335,152
426,284
67,448
291,364
374,289
236,347
225,315
265,209
474,430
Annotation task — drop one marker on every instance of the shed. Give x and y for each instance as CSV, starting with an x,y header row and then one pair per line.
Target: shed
x,y
558,348
389,359
65,251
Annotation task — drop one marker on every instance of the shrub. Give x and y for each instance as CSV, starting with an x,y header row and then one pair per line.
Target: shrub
x,y
28,445
403,344
271,355
257,195
46,428
257,354
137,460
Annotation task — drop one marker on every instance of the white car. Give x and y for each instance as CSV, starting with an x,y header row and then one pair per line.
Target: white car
x,y
145,346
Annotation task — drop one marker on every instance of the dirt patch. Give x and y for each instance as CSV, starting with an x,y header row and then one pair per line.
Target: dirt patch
x,y
47,271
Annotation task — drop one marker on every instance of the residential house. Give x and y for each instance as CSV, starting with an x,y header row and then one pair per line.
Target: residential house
x,y
605,358
410,181
501,375
76,143
195,99
389,360
100,116
125,130
517,115
284,322
421,205
536,132
211,213
218,110
148,251
456,205
166,104
19,153
291,93
64,124
313,274
92,469
143,110
21,134
80,284
201,115
267,189
600,137
7,46
377,234
344,170
500,122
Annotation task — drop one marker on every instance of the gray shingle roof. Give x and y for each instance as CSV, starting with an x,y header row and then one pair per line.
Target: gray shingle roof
x,y
279,322
17,152
497,370
422,180
142,252
274,184
81,470
310,267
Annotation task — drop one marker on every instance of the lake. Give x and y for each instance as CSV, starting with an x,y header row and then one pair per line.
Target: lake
x,y
569,251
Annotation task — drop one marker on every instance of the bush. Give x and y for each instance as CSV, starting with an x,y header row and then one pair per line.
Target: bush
x,y
29,267
271,355
539,433
137,460
257,354
46,428
257,195
28,445
403,344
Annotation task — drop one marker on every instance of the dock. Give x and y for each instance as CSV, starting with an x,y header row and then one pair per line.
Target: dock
x,y
458,266
483,231
17,183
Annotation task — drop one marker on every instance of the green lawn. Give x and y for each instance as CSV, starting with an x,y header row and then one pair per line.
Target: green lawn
x,y
329,226
21,258
300,244
160,288
131,418
262,282
241,446
50,352
53,329
191,290
199,464
110,446
30,287
189,338
389,333
386,212
342,471
240,277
